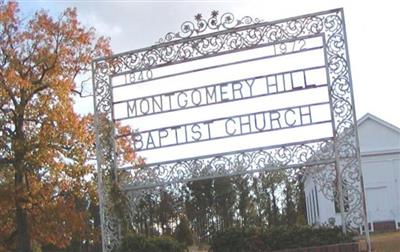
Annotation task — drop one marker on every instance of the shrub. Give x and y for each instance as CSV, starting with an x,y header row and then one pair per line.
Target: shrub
x,y
137,243
237,240
277,238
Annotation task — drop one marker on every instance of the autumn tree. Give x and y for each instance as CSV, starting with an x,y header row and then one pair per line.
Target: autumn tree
x,y
44,144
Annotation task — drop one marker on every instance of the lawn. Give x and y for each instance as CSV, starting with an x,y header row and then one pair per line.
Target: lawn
x,y
384,242
381,242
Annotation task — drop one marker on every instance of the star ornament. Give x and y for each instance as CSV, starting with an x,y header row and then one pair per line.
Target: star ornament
x,y
214,14
186,28
198,17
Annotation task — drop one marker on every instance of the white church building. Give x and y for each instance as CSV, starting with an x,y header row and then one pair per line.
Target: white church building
x,y
380,161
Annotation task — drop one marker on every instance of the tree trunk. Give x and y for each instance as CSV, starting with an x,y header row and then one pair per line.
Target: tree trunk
x,y
21,217
275,209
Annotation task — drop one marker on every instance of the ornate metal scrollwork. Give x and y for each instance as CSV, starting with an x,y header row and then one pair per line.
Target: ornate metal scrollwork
x,y
296,155
202,25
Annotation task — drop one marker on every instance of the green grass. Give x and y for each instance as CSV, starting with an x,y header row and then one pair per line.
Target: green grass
x,y
383,242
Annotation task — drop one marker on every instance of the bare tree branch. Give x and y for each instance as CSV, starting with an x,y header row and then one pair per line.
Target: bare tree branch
x,y
6,161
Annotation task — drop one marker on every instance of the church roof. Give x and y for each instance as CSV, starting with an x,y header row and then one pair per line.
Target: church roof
x,y
378,120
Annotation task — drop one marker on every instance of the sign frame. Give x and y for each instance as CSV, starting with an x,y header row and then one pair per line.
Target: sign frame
x,y
196,40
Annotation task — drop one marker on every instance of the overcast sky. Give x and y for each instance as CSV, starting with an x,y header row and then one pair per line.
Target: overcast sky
x,y
372,31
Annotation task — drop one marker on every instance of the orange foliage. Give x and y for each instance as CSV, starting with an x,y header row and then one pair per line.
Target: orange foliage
x,y
43,141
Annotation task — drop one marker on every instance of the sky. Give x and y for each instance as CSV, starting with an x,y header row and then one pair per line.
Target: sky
x,y
372,32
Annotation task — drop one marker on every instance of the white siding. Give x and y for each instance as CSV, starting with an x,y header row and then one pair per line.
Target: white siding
x,y
380,160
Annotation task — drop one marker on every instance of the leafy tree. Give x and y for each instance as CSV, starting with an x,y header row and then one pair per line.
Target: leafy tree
x,y
271,182
199,207
299,197
260,201
225,198
289,208
166,211
183,234
145,216
245,202
45,145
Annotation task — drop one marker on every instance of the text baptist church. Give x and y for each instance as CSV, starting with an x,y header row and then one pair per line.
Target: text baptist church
x,y
224,127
